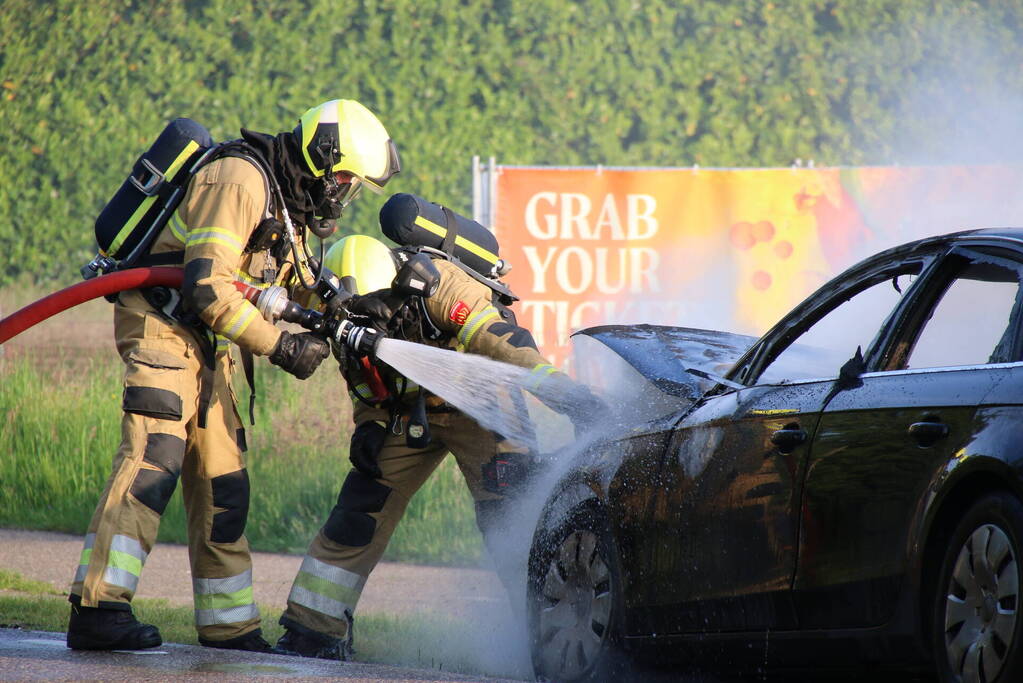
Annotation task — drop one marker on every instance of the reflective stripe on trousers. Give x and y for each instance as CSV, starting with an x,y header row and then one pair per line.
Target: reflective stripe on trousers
x,y
124,561
326,589
224,601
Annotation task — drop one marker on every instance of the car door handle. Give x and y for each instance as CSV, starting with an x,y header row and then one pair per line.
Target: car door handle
x,y
788,438
928,432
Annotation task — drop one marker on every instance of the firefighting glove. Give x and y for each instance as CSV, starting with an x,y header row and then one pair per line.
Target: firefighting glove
x,y
575,400
372,310
299,354
367,442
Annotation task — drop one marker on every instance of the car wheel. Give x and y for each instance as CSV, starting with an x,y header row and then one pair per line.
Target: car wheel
x,y
977,633
574,601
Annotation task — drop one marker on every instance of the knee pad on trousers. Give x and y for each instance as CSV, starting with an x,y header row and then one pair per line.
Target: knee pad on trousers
x,y
349,522
231,492
153,488
152,402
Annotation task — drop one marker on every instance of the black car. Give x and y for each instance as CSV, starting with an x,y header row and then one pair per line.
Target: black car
x,y
843,492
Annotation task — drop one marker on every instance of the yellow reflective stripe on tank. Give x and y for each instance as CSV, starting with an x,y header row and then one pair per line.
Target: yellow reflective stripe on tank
x,y
147,203
240,321
460,241
326,589
220,236
224,601
473,324
178,229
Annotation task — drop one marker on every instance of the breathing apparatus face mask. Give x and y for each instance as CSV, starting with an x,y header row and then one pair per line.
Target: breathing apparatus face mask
x,y
330,196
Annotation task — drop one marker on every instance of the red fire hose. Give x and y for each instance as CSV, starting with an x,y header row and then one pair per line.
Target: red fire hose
x,y
34,313
133,278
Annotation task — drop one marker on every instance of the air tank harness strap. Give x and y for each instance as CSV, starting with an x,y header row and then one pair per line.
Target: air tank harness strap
x,y
448,245
164,258
250,377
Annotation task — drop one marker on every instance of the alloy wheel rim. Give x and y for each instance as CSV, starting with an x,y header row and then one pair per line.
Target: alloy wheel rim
x,y
981,604
575,607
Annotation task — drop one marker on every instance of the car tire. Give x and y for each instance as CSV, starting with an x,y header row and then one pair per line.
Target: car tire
x,y
574,601
977,630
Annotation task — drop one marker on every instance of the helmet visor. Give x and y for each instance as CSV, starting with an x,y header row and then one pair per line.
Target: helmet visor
x,y
342,188
376,184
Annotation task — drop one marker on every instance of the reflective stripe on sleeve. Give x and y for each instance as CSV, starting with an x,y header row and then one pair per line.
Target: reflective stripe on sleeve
x,y
219,236
473,324
178,229
326,589
242,276
241,320
541,371
224,601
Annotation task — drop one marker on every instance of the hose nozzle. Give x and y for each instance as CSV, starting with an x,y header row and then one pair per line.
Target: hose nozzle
x,y
363,340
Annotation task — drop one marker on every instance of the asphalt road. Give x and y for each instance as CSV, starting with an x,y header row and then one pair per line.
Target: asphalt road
x,y
39,656
466,594
392,588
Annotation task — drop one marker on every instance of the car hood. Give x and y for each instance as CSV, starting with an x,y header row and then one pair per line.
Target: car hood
x,y
674,360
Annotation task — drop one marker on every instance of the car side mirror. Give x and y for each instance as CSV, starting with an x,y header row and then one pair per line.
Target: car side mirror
x,y
849,374
416,277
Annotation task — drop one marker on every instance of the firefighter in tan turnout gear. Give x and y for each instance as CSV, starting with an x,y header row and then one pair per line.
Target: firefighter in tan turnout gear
x,y
180,419
392,451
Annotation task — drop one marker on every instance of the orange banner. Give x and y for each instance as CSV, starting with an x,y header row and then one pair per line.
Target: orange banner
x,y
719,249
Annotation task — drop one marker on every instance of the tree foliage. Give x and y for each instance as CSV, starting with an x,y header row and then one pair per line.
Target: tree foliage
x,y
87,87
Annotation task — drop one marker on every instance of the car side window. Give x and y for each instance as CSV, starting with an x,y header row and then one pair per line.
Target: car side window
x,y
975,321
852,321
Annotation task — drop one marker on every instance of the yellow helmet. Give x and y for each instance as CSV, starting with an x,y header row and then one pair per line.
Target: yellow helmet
x,y
344,137
363,263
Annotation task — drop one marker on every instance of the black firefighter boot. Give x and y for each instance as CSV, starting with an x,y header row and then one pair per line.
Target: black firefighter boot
x,y
252,642
95,628
299,641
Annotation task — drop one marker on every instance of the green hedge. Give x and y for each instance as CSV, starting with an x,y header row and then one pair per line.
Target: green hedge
x,y
86,87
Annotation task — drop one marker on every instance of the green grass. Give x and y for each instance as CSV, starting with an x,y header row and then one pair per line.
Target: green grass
x,y
416,641
14,581
61,420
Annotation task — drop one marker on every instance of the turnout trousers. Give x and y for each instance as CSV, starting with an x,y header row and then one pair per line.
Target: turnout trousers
x,y
353,539
161,441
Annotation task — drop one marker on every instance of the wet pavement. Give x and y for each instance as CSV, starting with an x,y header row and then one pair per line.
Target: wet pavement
x,y
40,656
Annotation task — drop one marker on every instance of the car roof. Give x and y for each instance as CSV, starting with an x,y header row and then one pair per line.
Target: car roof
x,y
1007,237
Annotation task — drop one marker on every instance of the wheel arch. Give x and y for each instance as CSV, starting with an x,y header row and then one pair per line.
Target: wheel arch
x,y
986,475
566,498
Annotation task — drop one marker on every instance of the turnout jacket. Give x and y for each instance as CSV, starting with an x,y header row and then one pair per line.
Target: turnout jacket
x,y
222,206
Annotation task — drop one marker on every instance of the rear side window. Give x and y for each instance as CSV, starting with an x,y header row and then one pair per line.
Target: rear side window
x,y
974,322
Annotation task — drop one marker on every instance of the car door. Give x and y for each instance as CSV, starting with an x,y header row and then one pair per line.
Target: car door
x,y
878,443
727,522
